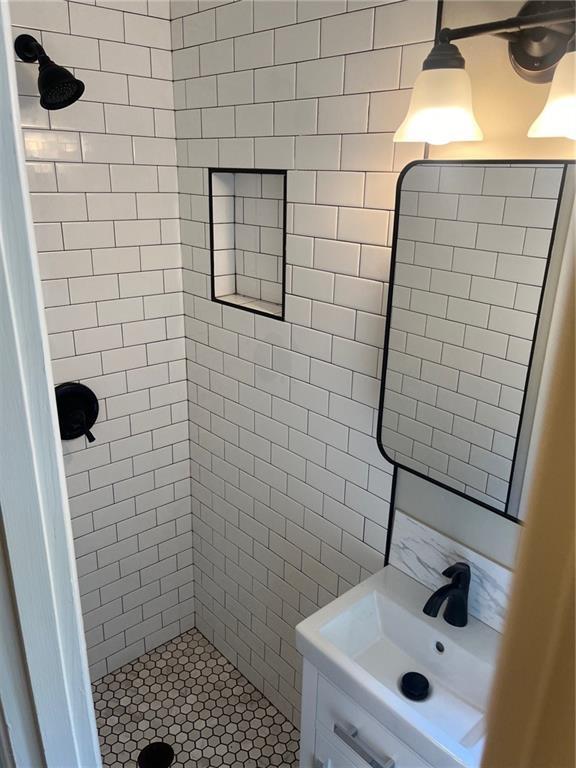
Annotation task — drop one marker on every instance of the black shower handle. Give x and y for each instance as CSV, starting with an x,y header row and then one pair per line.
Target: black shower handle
x,y
78,408
81,421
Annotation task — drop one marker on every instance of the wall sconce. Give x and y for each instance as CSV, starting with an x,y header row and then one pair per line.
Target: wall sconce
x,y
540,45
441,105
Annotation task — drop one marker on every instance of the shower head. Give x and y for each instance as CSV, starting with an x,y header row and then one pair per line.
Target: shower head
x,y
57,86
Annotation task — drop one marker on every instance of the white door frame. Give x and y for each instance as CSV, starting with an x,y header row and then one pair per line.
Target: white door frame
x,y
38,572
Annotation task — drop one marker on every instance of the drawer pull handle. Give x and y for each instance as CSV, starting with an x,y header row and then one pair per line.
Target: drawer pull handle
x,y
350,737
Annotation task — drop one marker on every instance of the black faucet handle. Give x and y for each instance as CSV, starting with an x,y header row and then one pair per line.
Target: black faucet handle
x,y
459,573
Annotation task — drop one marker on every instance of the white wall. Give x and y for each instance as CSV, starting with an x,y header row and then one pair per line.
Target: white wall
x,y
103,186
290,492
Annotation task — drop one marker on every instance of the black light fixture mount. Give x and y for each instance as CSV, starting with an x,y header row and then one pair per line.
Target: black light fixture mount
x,y
57,86
444,55
538,37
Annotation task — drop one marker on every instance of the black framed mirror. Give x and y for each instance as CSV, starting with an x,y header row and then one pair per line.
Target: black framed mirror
x,y
471,254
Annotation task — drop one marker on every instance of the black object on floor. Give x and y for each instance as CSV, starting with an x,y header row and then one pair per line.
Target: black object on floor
x,y
415,686
156,755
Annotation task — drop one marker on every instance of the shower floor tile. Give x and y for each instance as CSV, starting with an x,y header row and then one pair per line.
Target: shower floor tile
x,y
187,694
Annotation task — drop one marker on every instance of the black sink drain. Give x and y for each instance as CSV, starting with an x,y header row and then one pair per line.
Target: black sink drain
x,y
415,686
156,755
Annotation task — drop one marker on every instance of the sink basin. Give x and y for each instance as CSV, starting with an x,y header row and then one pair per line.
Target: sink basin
x,y
365,640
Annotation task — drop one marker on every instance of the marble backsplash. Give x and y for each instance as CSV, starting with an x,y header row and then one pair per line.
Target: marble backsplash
x,y
423,553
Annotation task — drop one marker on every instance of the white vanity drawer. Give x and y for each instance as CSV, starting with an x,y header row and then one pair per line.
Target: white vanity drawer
x,y
336,710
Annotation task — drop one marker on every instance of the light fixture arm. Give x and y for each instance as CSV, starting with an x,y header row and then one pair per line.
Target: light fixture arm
x,y
515,24
538,36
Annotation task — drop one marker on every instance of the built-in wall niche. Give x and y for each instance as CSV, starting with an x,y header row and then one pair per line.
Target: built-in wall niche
x,y
248,239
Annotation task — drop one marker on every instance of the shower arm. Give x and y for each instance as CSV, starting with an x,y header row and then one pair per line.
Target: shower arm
x,y
30,50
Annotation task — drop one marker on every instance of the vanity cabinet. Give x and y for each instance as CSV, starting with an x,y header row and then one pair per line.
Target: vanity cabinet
x,y
336,732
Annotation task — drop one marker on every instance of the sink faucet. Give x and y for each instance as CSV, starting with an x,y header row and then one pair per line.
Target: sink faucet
x,y
456,595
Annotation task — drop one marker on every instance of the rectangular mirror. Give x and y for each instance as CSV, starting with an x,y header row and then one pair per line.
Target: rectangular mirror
x,y
471,251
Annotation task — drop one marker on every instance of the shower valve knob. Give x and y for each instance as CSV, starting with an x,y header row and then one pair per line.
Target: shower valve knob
x,y
77,410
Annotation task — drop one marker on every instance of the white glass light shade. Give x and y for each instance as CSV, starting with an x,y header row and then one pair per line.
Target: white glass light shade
x,y
440,109
558,118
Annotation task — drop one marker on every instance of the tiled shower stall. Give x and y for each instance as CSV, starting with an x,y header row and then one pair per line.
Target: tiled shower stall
x,y
235,483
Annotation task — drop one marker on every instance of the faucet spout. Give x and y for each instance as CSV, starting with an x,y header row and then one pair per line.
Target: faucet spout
x,y
436,599
454,594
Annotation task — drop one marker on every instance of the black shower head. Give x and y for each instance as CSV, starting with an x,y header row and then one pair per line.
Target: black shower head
x,y
57,86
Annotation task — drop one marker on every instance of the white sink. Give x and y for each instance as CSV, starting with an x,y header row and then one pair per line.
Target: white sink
x,y
365,640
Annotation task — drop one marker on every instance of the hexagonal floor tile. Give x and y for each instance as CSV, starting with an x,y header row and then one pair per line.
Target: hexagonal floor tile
x,y
187,694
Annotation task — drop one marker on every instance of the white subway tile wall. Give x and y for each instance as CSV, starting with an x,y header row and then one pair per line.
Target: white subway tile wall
x,y
104,191
290,492
463,319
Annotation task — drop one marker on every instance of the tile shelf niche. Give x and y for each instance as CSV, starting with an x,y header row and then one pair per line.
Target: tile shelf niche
x,y
248,239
